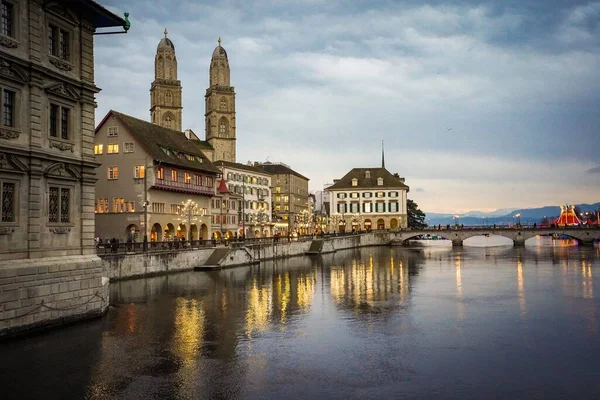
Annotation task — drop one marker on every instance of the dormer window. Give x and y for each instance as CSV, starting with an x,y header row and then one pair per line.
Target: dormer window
x,y
367,174
354,182
379,181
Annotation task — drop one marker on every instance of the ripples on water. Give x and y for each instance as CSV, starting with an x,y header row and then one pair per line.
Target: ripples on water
x,y
494,322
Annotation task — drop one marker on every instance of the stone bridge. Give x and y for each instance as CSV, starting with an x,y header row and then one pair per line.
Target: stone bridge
x,y
517,235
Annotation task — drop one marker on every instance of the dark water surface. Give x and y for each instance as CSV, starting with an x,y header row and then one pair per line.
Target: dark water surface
x,y
474,323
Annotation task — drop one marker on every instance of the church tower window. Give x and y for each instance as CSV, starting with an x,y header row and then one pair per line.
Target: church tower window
x,y
168,98
223,105
223,128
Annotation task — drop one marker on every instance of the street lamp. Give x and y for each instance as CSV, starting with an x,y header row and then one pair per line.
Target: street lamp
x,y
456,220
518,216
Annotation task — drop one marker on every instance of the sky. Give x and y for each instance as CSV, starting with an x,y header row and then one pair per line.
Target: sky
x,y
481,105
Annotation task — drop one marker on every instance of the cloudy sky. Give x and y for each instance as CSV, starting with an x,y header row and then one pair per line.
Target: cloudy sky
x,y
481,105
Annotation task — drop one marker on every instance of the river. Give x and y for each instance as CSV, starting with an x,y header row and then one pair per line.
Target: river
x,y
414,323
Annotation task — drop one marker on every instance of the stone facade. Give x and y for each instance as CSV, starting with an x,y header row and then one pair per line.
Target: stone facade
x,y
165,92
220,108
46,150
290,198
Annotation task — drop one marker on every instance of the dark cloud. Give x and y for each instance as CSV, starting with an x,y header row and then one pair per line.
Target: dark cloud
x,y
595,170
419,190
518,81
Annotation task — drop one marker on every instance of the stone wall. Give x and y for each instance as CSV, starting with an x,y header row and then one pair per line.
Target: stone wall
x,y
125,266
41,292
135,265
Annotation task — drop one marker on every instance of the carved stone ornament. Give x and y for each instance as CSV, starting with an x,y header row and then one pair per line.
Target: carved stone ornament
x,y
60,64
8,134
62,146
8,42
63,90
6,231
63,12
60,230
11,71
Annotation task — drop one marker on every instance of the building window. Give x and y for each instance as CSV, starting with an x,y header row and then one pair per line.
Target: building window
x,y
98,148
379,181
158,207
175,208
59,121
7,200
187,177
128,147
113,131
168,122
8,108
113,172
223,128
393,194
367,207
139,171
112,148
174,175
393,206
102,205
354,195
354,182
130,206
58,42
59,204
7,19
160,173
380,194
286,208
168,98
223,105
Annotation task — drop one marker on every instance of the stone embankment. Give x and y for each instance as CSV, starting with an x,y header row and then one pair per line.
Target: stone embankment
x,y
37,293
123,266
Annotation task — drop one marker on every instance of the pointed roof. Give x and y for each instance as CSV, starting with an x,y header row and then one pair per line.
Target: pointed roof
x,y
369,181
165,145
223,189
219,51
567,217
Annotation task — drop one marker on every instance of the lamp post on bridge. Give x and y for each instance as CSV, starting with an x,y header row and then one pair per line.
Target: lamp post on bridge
x,y
456,219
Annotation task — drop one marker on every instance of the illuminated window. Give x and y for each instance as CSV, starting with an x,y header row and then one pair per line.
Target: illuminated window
x,y
98,149
354,182
174,176
139,171
187,177
112,148
113,172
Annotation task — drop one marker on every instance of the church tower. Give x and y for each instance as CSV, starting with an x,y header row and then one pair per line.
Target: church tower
x,y
165,92
220,108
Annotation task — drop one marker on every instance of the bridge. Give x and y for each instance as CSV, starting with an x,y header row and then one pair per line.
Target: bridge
x,y
585,236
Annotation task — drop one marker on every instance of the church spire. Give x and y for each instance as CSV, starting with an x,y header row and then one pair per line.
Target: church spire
x,y
382,156
165,91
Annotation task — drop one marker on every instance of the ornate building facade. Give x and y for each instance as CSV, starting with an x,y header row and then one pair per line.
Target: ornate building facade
x,y
220,108
47,164
165,92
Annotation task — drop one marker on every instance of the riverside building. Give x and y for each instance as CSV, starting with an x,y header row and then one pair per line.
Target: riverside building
x,y
47,164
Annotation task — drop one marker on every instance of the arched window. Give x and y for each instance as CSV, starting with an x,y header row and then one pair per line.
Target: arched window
x,y
169,98
223,104
168,122
223,128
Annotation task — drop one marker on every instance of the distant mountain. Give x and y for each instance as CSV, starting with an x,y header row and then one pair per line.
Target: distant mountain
x,y
504,216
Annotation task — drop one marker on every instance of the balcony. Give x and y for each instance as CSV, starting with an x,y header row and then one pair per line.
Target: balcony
x,y
183,187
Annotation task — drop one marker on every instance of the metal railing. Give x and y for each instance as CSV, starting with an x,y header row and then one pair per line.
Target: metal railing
x,y
137,247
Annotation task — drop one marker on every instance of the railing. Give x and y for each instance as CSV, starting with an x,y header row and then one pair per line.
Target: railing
x,y
138,247
182,186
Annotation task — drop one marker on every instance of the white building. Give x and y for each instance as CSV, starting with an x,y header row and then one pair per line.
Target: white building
x,y
252,185
368,198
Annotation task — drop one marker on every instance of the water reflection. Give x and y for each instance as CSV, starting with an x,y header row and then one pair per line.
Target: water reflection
x,y
378,322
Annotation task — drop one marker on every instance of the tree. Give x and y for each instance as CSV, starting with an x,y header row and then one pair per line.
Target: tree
x,y
416,217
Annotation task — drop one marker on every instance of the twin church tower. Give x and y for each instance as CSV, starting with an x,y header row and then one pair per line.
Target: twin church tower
x,y
165,98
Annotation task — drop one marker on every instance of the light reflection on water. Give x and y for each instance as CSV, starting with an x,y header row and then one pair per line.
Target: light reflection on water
x,y
379,323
